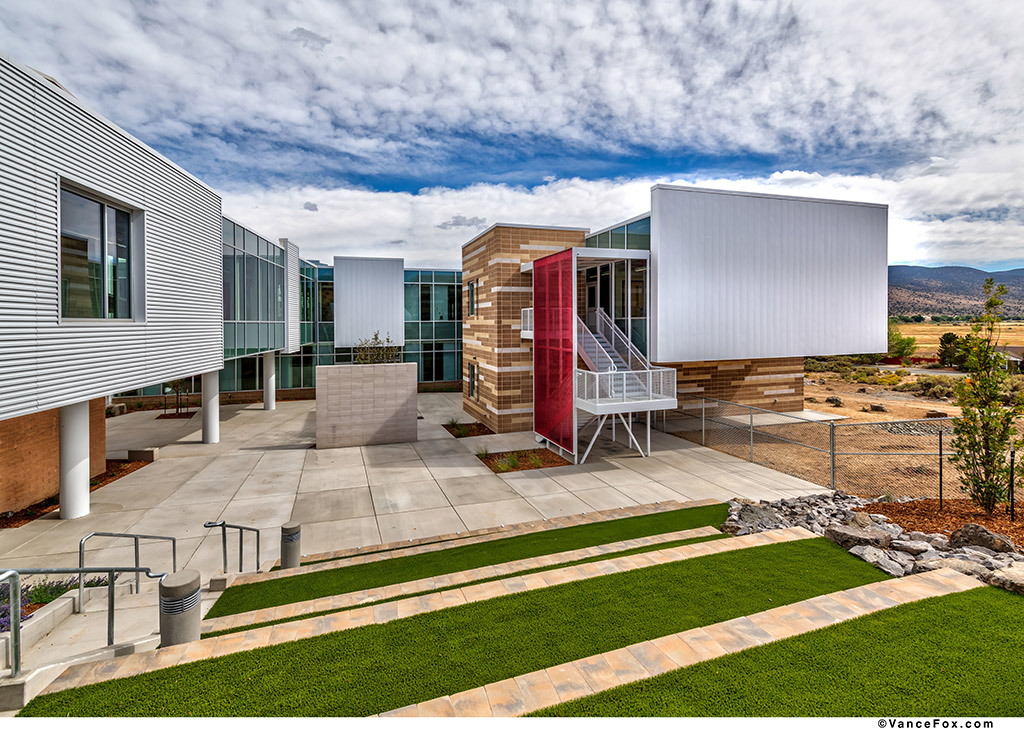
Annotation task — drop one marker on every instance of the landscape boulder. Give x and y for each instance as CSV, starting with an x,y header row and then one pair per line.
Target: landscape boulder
x,y
848,536
914,547
879,559
861,519
904,560
972,534
756,519
879,408
936,414
963,566
1010,578
834,401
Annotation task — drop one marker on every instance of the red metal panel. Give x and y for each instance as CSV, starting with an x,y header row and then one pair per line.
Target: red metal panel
x,y
554,312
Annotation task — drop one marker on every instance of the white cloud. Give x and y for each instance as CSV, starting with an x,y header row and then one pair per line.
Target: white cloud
x,y
923,97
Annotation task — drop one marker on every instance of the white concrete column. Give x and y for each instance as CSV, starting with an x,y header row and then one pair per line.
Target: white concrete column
x,y
74,461
269,382
211,407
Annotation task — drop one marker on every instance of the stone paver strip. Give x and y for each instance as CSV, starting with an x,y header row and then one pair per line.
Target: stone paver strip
x,y
653,659
471,703
383,593
404,548
505,698
384,612
649,658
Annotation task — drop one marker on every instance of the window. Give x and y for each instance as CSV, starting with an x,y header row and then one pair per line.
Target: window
x,y
95,259
471,299
473,393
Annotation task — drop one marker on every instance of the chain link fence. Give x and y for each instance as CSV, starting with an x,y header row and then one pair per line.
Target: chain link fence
x,y
907,458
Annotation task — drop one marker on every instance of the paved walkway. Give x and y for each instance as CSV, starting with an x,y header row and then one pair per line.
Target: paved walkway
x,y
531,692
264,473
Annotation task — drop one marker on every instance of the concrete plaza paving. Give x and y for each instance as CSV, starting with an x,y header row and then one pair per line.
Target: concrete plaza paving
x,y
264,472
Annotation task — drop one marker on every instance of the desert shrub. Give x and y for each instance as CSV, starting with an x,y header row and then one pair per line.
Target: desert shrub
x,y
890,380
902,373
502,466
1012,389
930,386
535,461
837,363
483,452
512,460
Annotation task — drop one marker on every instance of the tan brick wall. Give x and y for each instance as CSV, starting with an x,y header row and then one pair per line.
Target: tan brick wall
x,y
30,455
491,338
357,405
775,383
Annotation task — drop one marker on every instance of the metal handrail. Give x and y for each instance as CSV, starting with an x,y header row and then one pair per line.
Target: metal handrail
x,y
134,536
653,384
595,352
606,326
12,578
224,527
16,616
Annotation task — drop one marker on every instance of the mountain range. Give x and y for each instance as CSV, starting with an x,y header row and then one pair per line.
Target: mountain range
x,y
950,290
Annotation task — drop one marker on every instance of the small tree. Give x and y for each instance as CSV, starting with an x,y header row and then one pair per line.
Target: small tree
x,y
949,344
179,387
900,346
374,350
985,431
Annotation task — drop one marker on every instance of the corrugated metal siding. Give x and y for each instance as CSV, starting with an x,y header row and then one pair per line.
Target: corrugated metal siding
x,y
45,135
742,276
292,313
368,297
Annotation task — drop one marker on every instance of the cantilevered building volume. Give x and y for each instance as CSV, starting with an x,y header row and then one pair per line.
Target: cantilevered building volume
x,y
121,274
712,293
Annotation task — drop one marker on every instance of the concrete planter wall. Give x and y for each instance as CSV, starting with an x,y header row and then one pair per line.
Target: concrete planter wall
x,y
357,405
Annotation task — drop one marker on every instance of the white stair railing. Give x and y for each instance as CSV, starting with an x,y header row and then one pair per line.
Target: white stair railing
x,y
591,350
605,326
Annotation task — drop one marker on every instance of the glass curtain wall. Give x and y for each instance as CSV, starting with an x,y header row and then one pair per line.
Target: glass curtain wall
x,y
254,281
635,235
433,324
433,329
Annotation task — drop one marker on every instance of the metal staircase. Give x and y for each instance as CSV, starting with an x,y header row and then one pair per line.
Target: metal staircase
x,y
618,379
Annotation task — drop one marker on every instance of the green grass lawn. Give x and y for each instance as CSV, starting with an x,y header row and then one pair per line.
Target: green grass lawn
x,y
956,655
282,591
596,558
371,669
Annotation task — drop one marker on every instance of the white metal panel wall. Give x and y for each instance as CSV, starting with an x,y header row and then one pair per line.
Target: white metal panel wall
x,y
368,297
293,312
755,276
46,136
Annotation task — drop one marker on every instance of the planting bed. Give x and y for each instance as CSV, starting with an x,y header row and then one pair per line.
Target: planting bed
x,y
504,461
924,516
116,468
465,430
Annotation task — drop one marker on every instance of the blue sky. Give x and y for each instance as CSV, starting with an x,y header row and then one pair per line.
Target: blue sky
x,y
406,127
